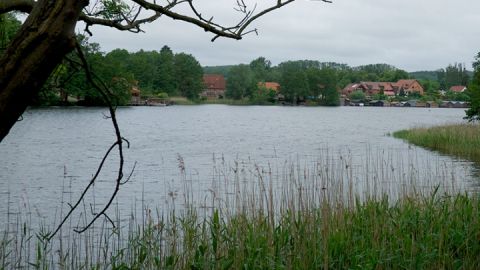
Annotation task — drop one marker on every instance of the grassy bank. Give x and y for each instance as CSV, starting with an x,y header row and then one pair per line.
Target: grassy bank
x,y
435,232
329,213
415,233
462,140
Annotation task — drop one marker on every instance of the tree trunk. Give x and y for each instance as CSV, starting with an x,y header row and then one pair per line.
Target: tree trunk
x,y
45,38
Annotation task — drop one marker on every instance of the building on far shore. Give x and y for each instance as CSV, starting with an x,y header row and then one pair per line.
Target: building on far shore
x,y
135,94
215,86
270,85
458,88
402,87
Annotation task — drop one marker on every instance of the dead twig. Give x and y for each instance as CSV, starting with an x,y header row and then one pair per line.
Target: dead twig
x,y
103,90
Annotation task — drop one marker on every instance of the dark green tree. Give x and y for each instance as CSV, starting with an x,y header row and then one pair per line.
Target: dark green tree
x,y
329,95
357,95
165,79
263,96
69,80
473,114
260,68
188,75
315,83
323,86
294,81
455,74
431,87
240,82
143,65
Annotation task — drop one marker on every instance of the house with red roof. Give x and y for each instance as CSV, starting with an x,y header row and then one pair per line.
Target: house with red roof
x,y
408,87
214,86
370,88
458,88
270,85
385,88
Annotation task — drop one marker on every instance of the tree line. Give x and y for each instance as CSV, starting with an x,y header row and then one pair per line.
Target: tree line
x,y
165,73
302,81
319,82
155,73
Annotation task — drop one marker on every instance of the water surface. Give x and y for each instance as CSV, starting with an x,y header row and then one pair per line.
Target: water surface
x,y
50,155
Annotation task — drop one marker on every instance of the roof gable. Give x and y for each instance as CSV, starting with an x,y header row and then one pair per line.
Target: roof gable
x,y
214,81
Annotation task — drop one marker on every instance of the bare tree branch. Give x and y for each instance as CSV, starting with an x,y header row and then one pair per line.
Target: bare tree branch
x,y
132,26
209,27
16,5
129,21
117,144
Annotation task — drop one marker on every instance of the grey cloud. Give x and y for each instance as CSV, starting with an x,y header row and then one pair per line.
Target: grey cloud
x,y
410,34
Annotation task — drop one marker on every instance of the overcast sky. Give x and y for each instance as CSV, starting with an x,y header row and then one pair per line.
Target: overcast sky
x,y
409,34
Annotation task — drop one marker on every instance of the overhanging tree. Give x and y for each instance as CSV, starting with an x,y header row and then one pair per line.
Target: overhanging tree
x,y
473,113
48,34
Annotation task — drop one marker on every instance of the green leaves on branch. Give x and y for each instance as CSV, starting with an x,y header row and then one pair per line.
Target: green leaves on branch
x,y
113,9
9,26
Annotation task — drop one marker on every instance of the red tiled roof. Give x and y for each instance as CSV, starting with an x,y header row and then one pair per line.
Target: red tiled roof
x,y
270,85
385,86
458,88
388,88
405,83
214,81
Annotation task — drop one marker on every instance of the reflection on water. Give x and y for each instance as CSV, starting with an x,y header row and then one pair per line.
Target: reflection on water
x,y
475,176
55,151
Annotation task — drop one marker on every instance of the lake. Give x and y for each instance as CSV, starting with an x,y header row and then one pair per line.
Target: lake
x,y
186,151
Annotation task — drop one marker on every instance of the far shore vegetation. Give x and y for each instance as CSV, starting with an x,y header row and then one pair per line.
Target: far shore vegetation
x,y
461,140
163,73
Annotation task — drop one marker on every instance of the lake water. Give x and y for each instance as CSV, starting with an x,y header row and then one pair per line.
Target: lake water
x,y
50,156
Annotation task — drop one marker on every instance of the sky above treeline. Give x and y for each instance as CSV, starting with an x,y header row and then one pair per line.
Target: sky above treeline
x,y
410,34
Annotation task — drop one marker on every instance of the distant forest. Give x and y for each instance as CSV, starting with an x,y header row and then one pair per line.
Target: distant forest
x,y
167,74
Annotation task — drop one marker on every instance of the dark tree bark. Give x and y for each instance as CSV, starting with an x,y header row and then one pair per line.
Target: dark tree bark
x,y
45,38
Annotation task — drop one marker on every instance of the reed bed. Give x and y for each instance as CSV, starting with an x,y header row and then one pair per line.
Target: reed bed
x,y
462,140
327,213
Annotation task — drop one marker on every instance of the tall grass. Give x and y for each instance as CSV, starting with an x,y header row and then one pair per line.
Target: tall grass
x,y
315,216
461,140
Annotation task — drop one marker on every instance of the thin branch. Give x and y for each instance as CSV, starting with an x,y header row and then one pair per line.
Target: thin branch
x,y
129,21
118,143
92,181
130,175
262,13
132,26
176,16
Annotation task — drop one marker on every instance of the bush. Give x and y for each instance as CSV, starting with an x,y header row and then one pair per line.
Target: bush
x,y
357,95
